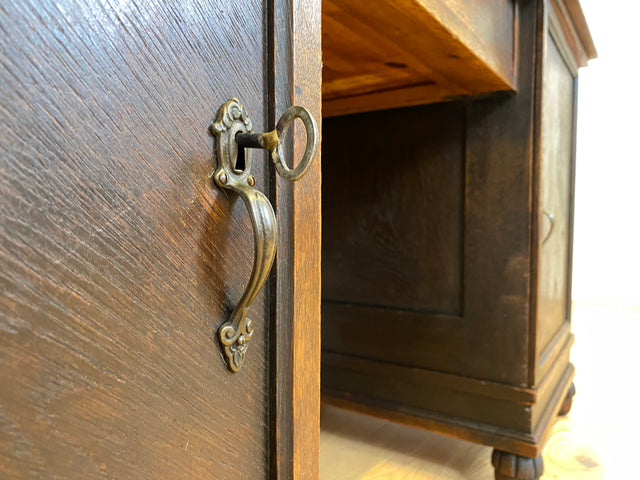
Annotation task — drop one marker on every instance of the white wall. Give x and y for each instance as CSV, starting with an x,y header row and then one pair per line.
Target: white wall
x,y
607,219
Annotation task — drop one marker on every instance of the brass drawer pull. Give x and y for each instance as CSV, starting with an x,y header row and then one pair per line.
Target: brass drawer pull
x,y
232,129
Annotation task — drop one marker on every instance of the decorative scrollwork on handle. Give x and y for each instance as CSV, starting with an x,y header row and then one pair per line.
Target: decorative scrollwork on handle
x,y
232,129
236,333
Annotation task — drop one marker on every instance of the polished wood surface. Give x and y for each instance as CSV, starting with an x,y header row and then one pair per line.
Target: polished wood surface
x,y
120,258
298,206
409,52
115,249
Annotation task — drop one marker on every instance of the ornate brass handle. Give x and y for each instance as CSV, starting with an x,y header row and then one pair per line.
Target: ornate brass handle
x,y
232,129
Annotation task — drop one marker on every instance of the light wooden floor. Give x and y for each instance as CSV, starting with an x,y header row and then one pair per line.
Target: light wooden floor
x,y
597,440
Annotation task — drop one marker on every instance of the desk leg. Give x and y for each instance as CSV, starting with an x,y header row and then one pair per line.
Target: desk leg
x,y
568,400
509,466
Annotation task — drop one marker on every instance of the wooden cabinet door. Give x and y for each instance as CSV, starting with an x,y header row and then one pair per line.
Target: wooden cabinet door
x,y
553,302
119,258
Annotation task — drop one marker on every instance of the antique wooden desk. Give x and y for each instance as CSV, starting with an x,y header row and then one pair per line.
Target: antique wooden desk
x,y
447,224
447,230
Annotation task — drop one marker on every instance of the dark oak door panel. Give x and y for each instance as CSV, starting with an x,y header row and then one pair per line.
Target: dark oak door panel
x,y
395,250
119,259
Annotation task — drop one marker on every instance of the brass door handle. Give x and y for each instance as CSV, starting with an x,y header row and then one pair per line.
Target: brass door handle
x,y
232,129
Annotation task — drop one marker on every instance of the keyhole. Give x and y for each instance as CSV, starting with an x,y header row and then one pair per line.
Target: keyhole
x,y
240,160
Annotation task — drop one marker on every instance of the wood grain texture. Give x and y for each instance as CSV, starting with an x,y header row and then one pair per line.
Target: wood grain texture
x,y
298,65
555,198
411,52
307,78
119,259
394,248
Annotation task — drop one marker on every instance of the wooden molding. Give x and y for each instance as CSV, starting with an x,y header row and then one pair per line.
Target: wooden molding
x,y
574,27
533,408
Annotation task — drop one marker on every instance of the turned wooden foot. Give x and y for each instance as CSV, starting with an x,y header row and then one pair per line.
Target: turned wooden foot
x,y
510,466
568,400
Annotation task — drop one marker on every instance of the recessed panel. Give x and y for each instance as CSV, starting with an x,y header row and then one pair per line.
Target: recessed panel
x,y
393,209
555,196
